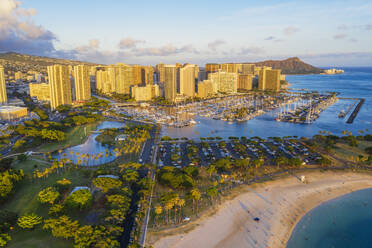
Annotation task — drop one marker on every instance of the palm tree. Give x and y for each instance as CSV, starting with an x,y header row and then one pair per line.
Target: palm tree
x,y
212,192
195,194
168,206
180,203
158,210
175,201
211,169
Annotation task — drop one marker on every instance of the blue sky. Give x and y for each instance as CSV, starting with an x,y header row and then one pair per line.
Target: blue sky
x,y
324,33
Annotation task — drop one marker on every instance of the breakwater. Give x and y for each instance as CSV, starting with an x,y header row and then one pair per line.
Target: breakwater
x,y
356,111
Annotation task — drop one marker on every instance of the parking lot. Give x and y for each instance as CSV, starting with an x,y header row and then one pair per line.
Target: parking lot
x,y
202,153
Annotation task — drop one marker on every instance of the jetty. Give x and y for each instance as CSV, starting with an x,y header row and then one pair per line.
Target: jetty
x,y
356,111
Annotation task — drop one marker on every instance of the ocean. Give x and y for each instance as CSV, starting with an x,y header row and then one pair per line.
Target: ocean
x,y
354,83
344,222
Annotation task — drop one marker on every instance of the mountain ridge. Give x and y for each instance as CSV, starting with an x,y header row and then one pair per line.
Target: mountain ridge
x,y
292,65
11,60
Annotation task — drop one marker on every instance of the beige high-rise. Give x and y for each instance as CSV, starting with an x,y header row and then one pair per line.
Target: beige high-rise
x,y
145,93
245,81
40,90
248,68
136,74
205,89
160,71
147,75
269,79
60,85
171,79
3,97
82,82
226,82
187,80
210,68
123,78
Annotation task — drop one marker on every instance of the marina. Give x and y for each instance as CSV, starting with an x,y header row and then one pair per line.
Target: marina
x,y
233,109
306,111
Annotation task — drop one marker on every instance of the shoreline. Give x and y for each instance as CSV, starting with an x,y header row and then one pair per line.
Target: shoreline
x,y
280,204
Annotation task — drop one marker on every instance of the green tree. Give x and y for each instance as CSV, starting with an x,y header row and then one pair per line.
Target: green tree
x,y
211,169
130,176
29,221
212,192
81,198
106,183
62,227
48,195
56,209
4,239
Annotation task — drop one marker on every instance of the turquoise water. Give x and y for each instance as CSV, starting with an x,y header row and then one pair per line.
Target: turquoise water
x,y
354,83
344,222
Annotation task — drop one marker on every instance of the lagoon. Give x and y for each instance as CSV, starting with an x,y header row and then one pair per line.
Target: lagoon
x,y
91,147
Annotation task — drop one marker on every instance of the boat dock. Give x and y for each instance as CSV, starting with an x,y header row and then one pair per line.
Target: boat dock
x,y
356,111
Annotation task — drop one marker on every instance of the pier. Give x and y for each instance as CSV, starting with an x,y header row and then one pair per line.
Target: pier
x,y
356,111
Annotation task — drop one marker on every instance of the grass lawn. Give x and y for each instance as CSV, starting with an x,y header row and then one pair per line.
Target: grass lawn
x,y
345,151
28,165
75,136
24,201
37,238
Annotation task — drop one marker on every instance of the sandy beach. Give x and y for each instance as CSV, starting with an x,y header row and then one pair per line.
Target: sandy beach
x,y
279,204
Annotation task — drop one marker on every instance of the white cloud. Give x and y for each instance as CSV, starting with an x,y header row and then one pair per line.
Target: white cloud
x,y
215,44
129,43
251,50
19,33
166,50
291,30
339,36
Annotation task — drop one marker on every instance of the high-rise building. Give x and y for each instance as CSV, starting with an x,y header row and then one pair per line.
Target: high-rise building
x,y
102,78
3,97
137,74
40,90
202,75
187,80
123,78
145,93
60,85
230,67
269,80
226,82
205,89
245,81
248,68
170,80
147,75
160,73
82,82
210,68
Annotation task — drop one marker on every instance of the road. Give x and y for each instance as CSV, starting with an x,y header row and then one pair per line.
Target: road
x,y
142,240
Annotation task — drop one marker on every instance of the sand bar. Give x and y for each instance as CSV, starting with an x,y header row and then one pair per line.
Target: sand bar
x,y
279,204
